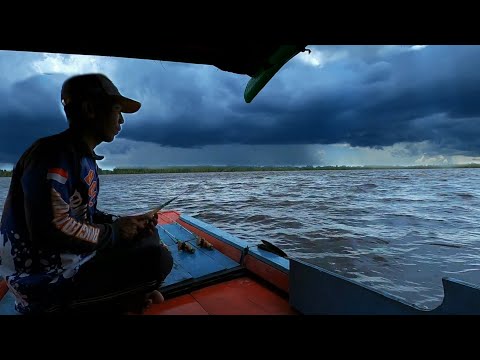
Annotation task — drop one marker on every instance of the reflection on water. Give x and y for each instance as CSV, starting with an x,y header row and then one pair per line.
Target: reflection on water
x,y
398,231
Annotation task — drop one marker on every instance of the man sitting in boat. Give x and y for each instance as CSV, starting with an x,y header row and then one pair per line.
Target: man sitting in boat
x,y
58,252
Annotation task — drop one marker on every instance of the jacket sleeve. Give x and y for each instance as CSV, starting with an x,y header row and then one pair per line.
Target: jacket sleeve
x,y
55,213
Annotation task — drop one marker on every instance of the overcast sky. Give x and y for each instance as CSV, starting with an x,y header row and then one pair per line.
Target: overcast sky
x,y
338,105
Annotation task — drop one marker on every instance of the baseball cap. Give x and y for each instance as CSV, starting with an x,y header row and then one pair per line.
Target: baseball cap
x,y
80,87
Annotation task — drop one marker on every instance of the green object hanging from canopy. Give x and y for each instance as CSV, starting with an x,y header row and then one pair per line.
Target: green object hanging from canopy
x,y
279,58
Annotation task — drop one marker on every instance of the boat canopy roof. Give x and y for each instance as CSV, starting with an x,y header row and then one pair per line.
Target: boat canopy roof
x,y
259,61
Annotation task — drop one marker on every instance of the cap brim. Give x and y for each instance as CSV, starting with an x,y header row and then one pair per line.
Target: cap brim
x,y
128,105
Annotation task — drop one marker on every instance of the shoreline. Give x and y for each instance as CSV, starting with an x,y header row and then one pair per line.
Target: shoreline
x,y
200,169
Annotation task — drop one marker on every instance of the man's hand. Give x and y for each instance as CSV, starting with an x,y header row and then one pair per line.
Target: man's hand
x,y
152,221
132,226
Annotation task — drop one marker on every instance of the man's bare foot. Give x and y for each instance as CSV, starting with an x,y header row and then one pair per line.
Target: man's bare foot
x,y
155,297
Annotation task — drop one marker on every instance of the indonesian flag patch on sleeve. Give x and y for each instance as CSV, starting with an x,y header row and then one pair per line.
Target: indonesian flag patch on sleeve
x,y
57,174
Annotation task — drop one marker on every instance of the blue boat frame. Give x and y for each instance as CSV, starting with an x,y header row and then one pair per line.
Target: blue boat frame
x,y
317,291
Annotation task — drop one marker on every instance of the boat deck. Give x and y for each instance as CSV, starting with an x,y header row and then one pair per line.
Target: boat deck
x,y
205,281
241,296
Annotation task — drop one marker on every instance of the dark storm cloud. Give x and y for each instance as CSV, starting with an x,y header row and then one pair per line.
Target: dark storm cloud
x,y
30,110
392,96
370,96
379,72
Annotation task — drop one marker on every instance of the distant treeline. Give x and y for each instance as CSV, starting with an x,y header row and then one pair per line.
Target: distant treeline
x,y
196,169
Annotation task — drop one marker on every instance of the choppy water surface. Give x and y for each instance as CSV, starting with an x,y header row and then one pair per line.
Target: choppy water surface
x,y
398,231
